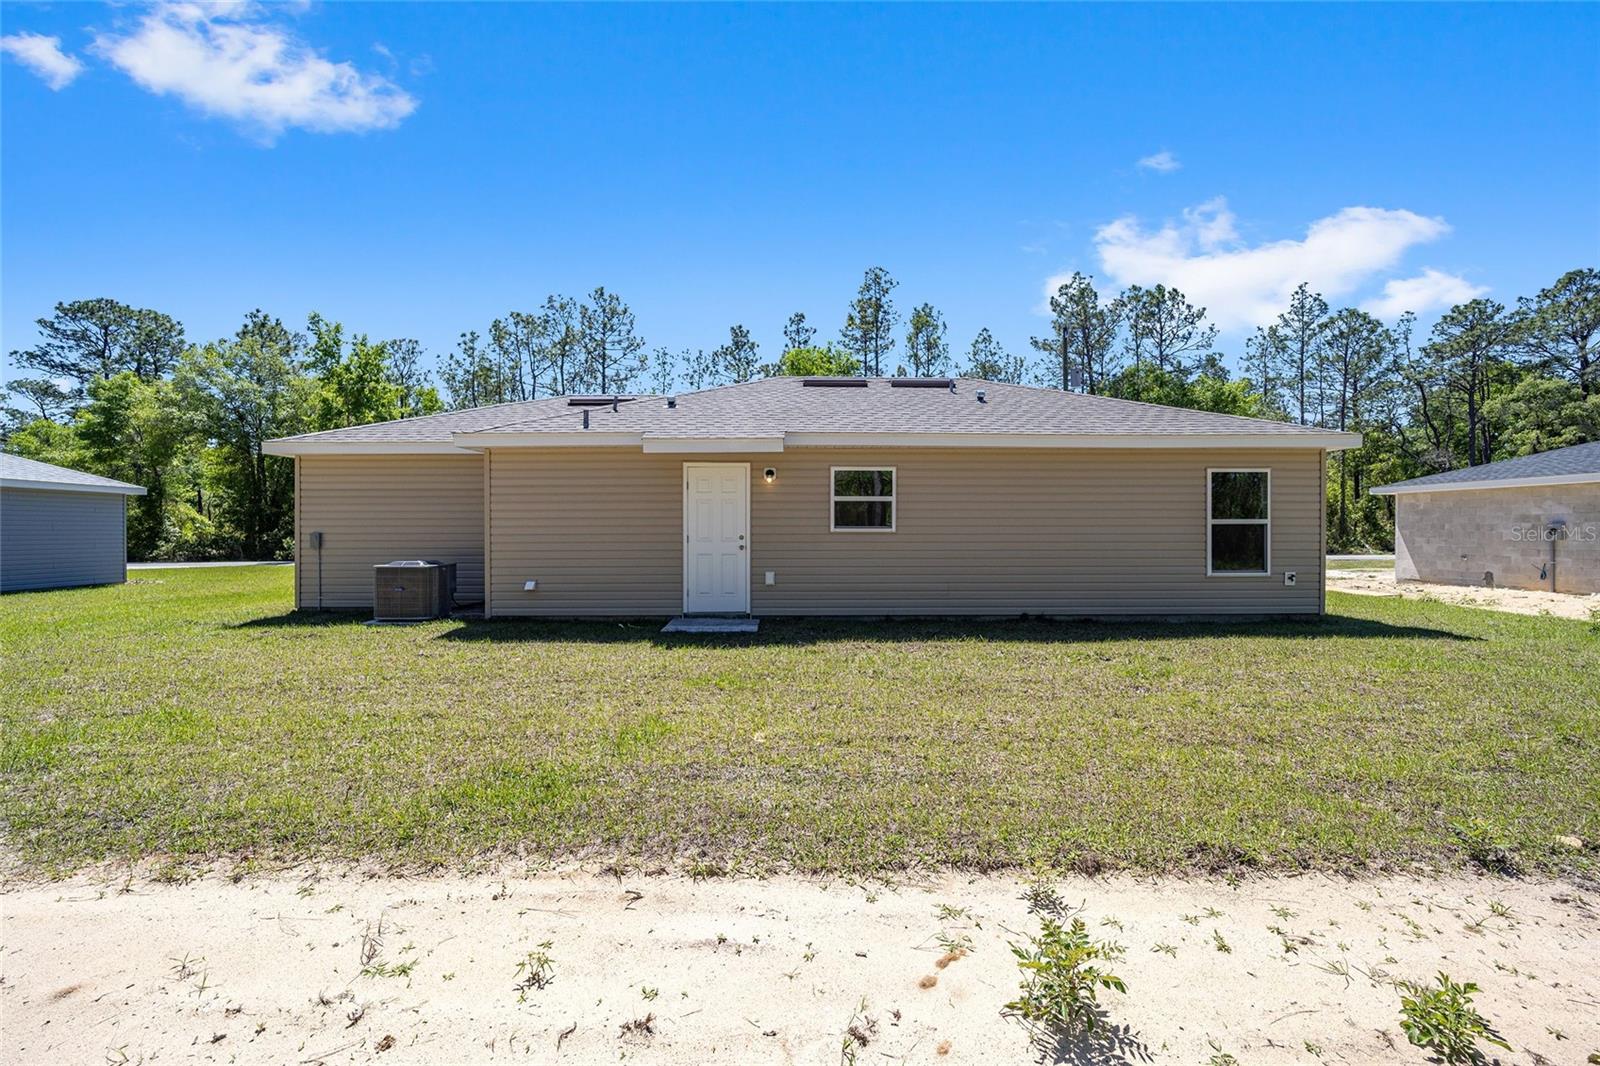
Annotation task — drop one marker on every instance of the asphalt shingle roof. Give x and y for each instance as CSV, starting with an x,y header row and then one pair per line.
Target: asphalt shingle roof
x,y
772,407
18,472
437,428
1578,460
775,407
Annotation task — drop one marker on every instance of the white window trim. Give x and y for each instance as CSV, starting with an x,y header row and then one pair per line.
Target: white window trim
x,y
1211,522
893,499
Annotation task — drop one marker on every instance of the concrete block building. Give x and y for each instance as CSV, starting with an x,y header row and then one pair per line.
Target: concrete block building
x,y
1528,523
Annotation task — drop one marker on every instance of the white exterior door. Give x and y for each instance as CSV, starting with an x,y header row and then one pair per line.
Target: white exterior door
x,y
716,538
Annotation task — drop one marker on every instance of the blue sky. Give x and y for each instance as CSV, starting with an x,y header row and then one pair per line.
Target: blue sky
x,y
416,170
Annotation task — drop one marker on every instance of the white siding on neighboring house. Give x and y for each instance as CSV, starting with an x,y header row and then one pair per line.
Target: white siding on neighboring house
x,y
53,539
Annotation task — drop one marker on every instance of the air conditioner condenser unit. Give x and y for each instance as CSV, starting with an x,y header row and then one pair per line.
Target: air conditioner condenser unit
x,y
412,590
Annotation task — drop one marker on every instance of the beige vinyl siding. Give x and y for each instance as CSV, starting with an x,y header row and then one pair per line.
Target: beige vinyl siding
x,y
978,531
372,509
601,530
54,539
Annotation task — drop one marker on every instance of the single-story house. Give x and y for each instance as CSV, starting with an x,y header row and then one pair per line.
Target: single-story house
x,y
1528,523
61,527
824,496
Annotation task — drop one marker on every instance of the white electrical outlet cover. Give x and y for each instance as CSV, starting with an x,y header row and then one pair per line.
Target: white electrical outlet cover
x,y
529,586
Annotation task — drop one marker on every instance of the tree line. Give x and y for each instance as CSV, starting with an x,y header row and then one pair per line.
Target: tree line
x,y
120,391
1488,382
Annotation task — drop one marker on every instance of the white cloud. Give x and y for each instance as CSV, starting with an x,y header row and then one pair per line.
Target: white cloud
x,y
1432,290
228,61
1211,223
1244,286
43,56
1162,162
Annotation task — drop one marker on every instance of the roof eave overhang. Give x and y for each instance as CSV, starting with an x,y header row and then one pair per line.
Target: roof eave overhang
x,y
651,445
476,441
704,445
1329,441
1402,489
71,486
291,446
573,439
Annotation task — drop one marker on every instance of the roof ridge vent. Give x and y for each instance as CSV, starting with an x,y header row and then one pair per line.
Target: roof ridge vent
x,y
834,383
923,383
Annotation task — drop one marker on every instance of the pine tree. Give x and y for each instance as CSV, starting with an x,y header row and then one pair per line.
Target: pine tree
x,y
869,327
44,399
1354,354
796,334
1264,355
562,358
417,394
1561,327
519,348
613,354
1300,328
94,339
468,375
736,361
926,347
1467,351
663,370
990,362
1167,329
1081,348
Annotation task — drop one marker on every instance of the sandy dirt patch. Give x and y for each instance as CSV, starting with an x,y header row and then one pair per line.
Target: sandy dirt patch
x,y
1517,601
342,968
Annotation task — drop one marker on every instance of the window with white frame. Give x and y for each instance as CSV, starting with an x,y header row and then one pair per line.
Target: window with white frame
x,y
863,500
1238,523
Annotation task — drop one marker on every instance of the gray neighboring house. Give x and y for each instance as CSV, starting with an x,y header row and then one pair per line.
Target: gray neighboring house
x,y
1528,523
812,496
60,527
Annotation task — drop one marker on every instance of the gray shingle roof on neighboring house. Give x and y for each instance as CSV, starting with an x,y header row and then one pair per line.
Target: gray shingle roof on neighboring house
x,y
19,473
802,411
1564,466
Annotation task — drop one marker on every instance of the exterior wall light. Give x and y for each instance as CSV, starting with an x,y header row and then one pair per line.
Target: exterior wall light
x,y
771,474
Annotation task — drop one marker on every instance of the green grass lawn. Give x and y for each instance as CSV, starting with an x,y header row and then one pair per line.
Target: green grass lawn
x,y
189,713
1361,564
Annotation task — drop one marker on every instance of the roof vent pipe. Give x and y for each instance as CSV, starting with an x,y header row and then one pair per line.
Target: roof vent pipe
x,y
672,403
586,419
613,403
952,386
983,397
